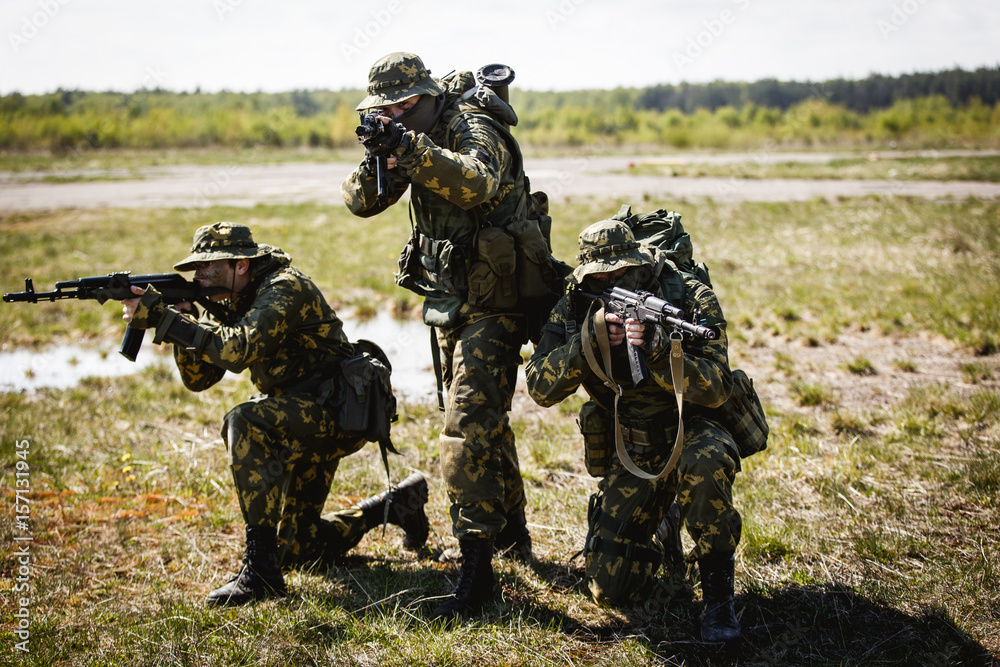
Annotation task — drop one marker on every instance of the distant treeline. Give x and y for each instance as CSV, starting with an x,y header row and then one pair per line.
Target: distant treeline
x,y
957,86
952,108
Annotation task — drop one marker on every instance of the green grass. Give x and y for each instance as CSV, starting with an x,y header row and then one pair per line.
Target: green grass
x,y
123,163
878,166
869,525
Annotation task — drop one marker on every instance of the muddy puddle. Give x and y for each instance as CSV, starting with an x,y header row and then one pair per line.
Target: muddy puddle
x,y
406,343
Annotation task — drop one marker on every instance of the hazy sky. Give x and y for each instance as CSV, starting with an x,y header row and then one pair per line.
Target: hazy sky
x,y
267,45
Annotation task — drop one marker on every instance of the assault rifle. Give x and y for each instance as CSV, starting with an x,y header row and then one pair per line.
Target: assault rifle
x,y
647,308
117,286
379,141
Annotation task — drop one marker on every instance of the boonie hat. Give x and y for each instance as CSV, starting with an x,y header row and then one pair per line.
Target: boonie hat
x,y
222,240
609,245
396,77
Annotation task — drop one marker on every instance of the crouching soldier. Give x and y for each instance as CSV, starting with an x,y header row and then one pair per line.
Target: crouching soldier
x,y
628,518
284,445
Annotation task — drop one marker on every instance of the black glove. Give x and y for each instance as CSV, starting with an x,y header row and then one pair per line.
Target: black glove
x,y
379,139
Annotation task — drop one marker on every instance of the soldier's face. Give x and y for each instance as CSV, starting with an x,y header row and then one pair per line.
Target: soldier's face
x,y
396,110
220,273
610,277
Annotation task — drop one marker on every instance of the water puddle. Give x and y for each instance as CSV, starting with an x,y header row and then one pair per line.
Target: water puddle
x,y
406,343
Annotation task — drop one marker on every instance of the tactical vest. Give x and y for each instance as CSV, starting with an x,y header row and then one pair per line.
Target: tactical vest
x,y
496,255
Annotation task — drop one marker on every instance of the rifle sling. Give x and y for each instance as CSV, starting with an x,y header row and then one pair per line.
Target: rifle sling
x,y
676,377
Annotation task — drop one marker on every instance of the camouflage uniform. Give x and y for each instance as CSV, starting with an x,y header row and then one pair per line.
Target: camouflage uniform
x,y
463,171
459,173
283,444
622,555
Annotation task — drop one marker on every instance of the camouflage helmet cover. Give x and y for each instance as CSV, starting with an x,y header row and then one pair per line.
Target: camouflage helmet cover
x,y
396,77
609,245
222,240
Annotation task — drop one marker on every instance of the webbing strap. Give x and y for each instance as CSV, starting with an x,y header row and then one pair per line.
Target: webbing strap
x,y
436,361
676,377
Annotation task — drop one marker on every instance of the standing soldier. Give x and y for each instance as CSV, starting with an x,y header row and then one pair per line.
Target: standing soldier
x,y
284,445
624,547
446,141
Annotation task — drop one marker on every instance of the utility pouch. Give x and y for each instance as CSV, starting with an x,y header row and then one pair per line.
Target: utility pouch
x,y
409,264
492,281
535,273
361,398
743,416
597,428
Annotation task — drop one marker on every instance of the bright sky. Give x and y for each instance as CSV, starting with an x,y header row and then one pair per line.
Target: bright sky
x,y
249,45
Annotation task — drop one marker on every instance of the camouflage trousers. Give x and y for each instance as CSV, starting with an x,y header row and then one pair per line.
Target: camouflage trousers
x,y
479,360
622,554
284,451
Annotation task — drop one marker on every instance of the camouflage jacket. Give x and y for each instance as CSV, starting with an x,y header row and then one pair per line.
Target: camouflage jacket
x,y
286,335
558,366
462,173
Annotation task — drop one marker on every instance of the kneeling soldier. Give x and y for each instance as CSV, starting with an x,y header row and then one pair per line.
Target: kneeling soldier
x,y
284,445
628,518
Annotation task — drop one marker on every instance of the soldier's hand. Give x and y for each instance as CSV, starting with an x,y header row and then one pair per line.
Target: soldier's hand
x,y
632,329
129,305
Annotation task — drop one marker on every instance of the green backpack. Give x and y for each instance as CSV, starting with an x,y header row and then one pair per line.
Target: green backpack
x,y
663,229
742,414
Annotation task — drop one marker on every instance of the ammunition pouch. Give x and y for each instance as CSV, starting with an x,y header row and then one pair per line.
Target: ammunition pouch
x,y
597,427
427,264
647,438
535,273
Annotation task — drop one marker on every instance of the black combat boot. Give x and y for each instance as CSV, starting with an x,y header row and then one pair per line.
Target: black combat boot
x,y
260,575
514,541
718,615
475,581
405,505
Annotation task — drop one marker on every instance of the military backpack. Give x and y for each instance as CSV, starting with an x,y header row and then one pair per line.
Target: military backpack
x,y
742,413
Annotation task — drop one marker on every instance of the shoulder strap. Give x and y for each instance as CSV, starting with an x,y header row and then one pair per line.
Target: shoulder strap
x,y
676,377
512,145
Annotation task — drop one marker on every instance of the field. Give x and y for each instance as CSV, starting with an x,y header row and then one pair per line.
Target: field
x,y
871,327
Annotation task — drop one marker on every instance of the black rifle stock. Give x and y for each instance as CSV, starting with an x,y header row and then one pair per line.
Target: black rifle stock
x,y
647,308
118,286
